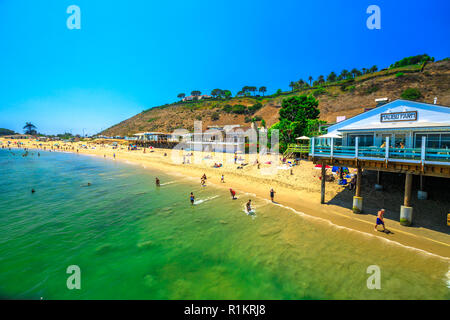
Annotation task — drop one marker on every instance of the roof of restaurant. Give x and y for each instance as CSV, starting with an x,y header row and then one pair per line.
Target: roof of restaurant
x,y
429,116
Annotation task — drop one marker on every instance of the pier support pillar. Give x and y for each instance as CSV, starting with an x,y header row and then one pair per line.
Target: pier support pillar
x,y
406,210
357,199
322,185
422,195
378,185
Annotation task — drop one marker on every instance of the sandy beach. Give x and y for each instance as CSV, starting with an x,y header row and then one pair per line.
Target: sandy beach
x,y
297,188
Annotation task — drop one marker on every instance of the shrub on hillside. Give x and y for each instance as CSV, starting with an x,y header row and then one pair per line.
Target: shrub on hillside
x,y
227,108
372,89
411,94
419,59
319,91
400,74
215,116
239,109
252,109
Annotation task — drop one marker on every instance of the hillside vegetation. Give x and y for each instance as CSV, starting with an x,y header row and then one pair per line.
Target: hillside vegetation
x,y
345,97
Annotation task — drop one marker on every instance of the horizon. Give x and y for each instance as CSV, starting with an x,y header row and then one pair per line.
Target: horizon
x,y
86,80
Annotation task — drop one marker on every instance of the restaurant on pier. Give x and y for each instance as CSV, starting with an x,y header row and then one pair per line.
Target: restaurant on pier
x,y
401,136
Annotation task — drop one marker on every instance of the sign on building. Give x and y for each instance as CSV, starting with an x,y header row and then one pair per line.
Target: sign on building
x,y
398,116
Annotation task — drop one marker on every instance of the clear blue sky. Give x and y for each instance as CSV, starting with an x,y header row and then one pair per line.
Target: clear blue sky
x,y
132,55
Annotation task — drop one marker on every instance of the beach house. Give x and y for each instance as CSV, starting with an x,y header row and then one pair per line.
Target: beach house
x,y
400,136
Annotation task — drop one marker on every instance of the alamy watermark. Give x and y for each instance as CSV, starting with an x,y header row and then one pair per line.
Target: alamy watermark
x,y
74,20
374,20
74,280
374,281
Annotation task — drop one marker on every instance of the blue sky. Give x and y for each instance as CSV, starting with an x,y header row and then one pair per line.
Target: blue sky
x,y
131,55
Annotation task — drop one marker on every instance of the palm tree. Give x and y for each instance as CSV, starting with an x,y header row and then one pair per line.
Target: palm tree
x,y
292,85
331,77
364,70
344,74
355,72
29,128
263,90
321,79
310,80
181,96
252,89
374,69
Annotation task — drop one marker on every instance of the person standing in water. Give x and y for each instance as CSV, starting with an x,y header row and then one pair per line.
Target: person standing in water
x,y
249,205
114,155
192,198
157,182
380,220
233,193
272,194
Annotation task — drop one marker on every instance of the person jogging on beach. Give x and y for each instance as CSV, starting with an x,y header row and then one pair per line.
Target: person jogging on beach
x,y
272,194
380,220
192,198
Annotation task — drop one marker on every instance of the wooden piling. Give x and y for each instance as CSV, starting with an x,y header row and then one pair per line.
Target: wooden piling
x,y
408,185
322,185
358,182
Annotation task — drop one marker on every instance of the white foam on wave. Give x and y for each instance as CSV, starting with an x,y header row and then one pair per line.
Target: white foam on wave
x,y
165,184
206,199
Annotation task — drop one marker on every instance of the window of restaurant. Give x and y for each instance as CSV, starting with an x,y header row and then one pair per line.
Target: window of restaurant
x,y
365,140
434,140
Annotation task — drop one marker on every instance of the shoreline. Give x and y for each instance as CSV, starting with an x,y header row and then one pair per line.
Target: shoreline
x,y
301,202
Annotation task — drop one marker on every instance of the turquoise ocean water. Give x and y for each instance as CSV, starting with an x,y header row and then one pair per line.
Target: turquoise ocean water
x,y
133,240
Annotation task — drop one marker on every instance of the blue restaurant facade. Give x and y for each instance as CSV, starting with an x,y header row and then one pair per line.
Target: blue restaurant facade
x,y
404,122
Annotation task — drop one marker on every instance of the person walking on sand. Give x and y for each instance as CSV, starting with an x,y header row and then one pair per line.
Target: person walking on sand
x,y
114,155
380,220
272,194
192,198
222,179
235,157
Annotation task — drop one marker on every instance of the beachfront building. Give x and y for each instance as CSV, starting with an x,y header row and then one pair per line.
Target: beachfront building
x,y
200,97
400,136
229,138
18,137
155,139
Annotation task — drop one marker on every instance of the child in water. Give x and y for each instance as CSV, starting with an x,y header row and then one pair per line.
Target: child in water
x,y
157,182
192,198
249,206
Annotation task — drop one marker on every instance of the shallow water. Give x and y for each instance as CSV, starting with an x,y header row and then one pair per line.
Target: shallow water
x,y
133,240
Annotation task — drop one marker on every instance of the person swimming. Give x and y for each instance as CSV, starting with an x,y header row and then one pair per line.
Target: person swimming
x,y
192,198
249,205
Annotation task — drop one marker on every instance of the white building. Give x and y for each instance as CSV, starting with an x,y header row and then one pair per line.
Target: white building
x,y
404,122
